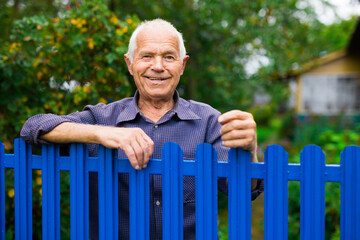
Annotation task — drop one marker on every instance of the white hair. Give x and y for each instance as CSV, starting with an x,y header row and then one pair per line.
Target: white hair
x,y
154,23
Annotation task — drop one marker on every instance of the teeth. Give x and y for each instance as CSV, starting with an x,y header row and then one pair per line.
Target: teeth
x,y
158,79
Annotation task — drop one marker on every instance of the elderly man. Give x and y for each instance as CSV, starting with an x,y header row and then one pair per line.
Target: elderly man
x,y
139,126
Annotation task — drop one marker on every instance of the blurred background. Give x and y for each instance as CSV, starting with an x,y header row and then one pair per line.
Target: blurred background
x,y
294,64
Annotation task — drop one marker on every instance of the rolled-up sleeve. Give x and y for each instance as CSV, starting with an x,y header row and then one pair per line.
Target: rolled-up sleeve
x,y
41,124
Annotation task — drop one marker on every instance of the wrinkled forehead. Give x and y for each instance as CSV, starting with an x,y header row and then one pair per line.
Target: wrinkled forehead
x,y
157,35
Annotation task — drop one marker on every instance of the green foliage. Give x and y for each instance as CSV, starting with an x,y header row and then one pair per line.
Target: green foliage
x,y
336,35
17,9
58,65
332,143
69,56
222,37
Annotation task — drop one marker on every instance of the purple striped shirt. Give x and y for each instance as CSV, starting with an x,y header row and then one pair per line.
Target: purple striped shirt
x,y
188,124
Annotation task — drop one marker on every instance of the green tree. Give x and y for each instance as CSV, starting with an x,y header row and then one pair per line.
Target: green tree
x,y
225,38
60,64
17,9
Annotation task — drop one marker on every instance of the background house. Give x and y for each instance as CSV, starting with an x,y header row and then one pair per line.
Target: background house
x,y
327,90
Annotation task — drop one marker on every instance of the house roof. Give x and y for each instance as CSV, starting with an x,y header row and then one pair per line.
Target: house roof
x,y
353,49
322,60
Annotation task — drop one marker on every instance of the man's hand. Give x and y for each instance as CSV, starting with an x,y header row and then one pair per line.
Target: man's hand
x,y
239,130
137,146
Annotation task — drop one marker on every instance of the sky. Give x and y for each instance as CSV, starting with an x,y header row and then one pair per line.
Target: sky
x,y
343,9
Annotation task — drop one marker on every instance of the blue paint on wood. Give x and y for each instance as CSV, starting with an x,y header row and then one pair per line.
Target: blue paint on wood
x,y
206,192
107,179
239,194
312,174
276,194
172,191
312,193
50,175
2,191
23,190
79,192
350,194
139,204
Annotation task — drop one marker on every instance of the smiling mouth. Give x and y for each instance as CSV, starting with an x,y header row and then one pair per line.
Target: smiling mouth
x,y
157,78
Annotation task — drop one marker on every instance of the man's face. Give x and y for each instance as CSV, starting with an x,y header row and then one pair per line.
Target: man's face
x,y
156,65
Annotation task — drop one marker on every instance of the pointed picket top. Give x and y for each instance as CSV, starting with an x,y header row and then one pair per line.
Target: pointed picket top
x,y
276,193
239,194
350,193
171,147
204,147
172,191
23,189
312,193
206,192
312,148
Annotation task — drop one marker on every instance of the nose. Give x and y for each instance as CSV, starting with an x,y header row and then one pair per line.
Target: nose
x,y
157,65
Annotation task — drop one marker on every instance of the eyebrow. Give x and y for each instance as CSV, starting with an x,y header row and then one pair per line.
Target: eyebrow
x,y
170,52
144,52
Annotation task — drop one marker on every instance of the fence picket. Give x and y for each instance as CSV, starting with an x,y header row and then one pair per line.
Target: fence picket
x,y
23,190
79,192
172,191
239,194
312,193
139,204
312,174
276,193
206,192
2,191
350,194
107,198
50,175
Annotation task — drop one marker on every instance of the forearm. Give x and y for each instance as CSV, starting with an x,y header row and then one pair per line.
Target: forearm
x,y
69,132
41,124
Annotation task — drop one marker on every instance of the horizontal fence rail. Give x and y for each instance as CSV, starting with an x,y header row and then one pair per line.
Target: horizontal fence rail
x,y
239,170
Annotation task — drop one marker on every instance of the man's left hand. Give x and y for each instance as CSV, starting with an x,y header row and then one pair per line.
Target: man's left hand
x,y
238,130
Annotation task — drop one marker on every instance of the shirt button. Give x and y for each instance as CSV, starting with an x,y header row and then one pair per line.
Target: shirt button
x,y
156,126
157,203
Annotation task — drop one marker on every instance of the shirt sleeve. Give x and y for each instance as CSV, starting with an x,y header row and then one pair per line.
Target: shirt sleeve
x,y
41,124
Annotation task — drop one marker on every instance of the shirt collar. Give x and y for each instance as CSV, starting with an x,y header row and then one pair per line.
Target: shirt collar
x,y
181,109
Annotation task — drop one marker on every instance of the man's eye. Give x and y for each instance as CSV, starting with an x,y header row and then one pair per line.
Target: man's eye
x,y
169,58
146,56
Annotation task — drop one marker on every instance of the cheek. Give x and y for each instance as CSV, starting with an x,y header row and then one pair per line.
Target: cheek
x,y
139,68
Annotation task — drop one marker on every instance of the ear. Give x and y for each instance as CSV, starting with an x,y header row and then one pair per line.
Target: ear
x,y
186,58
128,63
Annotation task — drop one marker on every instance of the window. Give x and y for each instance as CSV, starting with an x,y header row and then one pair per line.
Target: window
x,y
330,94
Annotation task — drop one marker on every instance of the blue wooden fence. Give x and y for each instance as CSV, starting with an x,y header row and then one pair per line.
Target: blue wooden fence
x,y
276,171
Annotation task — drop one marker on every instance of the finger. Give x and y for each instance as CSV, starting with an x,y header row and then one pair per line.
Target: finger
x,y
139,147
246,144
147,146
234,114
130,153
149,152
150,144
238,134
237,125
